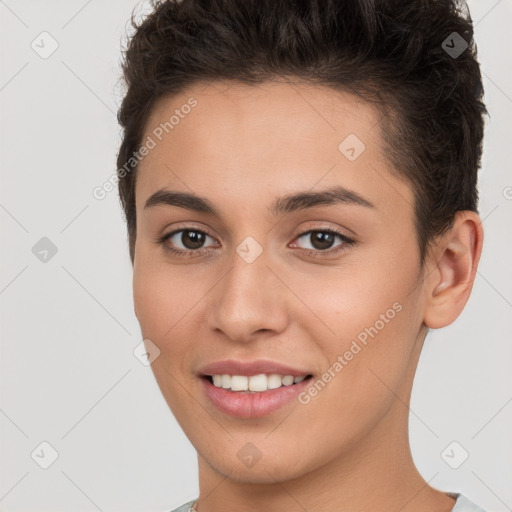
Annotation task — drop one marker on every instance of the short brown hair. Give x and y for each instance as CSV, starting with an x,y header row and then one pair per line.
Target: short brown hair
x,y
399,54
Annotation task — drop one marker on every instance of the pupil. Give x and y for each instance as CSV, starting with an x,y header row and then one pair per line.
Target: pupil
x,y
192,239
322,240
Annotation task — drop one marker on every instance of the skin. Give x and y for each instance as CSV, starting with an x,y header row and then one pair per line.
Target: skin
x,y
241,147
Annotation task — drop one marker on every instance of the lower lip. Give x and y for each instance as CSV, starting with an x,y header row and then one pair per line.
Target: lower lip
x,y
252,405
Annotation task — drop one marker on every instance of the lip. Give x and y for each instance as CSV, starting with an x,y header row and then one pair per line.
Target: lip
x,y
248,368
252,405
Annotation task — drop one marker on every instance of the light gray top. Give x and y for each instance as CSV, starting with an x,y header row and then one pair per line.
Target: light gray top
x,y
461,505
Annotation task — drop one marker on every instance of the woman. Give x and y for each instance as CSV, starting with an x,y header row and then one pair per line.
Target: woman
x,y
299,185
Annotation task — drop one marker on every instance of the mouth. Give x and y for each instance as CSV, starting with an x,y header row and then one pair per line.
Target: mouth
x,y
253,396
259,383
255,388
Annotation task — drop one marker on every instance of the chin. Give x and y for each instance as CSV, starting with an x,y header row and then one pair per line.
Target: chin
x,y
277,466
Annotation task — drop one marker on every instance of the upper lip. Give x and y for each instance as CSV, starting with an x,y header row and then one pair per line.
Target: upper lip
x,y
248,368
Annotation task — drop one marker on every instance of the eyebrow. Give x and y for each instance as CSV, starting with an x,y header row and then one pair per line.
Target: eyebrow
x,y
286,204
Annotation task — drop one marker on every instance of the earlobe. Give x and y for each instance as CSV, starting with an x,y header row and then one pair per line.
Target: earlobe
x,y
450,283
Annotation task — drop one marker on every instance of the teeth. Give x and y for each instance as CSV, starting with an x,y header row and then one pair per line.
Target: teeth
x,y
287,380
239,383
225,381
254,383
257,382
274,381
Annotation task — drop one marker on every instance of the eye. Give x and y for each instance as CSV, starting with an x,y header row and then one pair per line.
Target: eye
x,y
185,241
322,240
190,242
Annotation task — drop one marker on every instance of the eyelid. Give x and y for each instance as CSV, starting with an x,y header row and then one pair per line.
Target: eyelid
x,y
344,233
183,226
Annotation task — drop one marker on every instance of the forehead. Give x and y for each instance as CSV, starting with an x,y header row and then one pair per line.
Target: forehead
x,y
248,144
279,115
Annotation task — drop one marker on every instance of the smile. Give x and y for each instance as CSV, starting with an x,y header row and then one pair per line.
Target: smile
x,y
231,394
254,383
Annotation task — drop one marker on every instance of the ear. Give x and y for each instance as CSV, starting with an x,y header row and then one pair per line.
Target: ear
x,y
453,270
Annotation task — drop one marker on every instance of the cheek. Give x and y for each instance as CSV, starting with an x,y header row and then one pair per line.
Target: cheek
x,y
150,299
161,300
163,303
366,325
339,303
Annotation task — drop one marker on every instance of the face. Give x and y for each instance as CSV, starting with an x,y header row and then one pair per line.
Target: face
x,y
326,284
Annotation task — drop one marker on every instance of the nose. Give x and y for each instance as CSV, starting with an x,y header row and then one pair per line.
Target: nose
x,y
248,301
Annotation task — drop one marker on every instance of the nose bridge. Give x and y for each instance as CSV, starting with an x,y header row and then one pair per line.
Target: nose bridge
x,y
247,298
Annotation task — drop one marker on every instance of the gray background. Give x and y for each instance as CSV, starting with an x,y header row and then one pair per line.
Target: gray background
x,y
68,373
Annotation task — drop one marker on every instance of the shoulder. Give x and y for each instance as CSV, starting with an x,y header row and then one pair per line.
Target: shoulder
x,y
185,507
463,504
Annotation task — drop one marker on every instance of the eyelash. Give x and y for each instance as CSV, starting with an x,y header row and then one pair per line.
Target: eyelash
x,y
317,253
